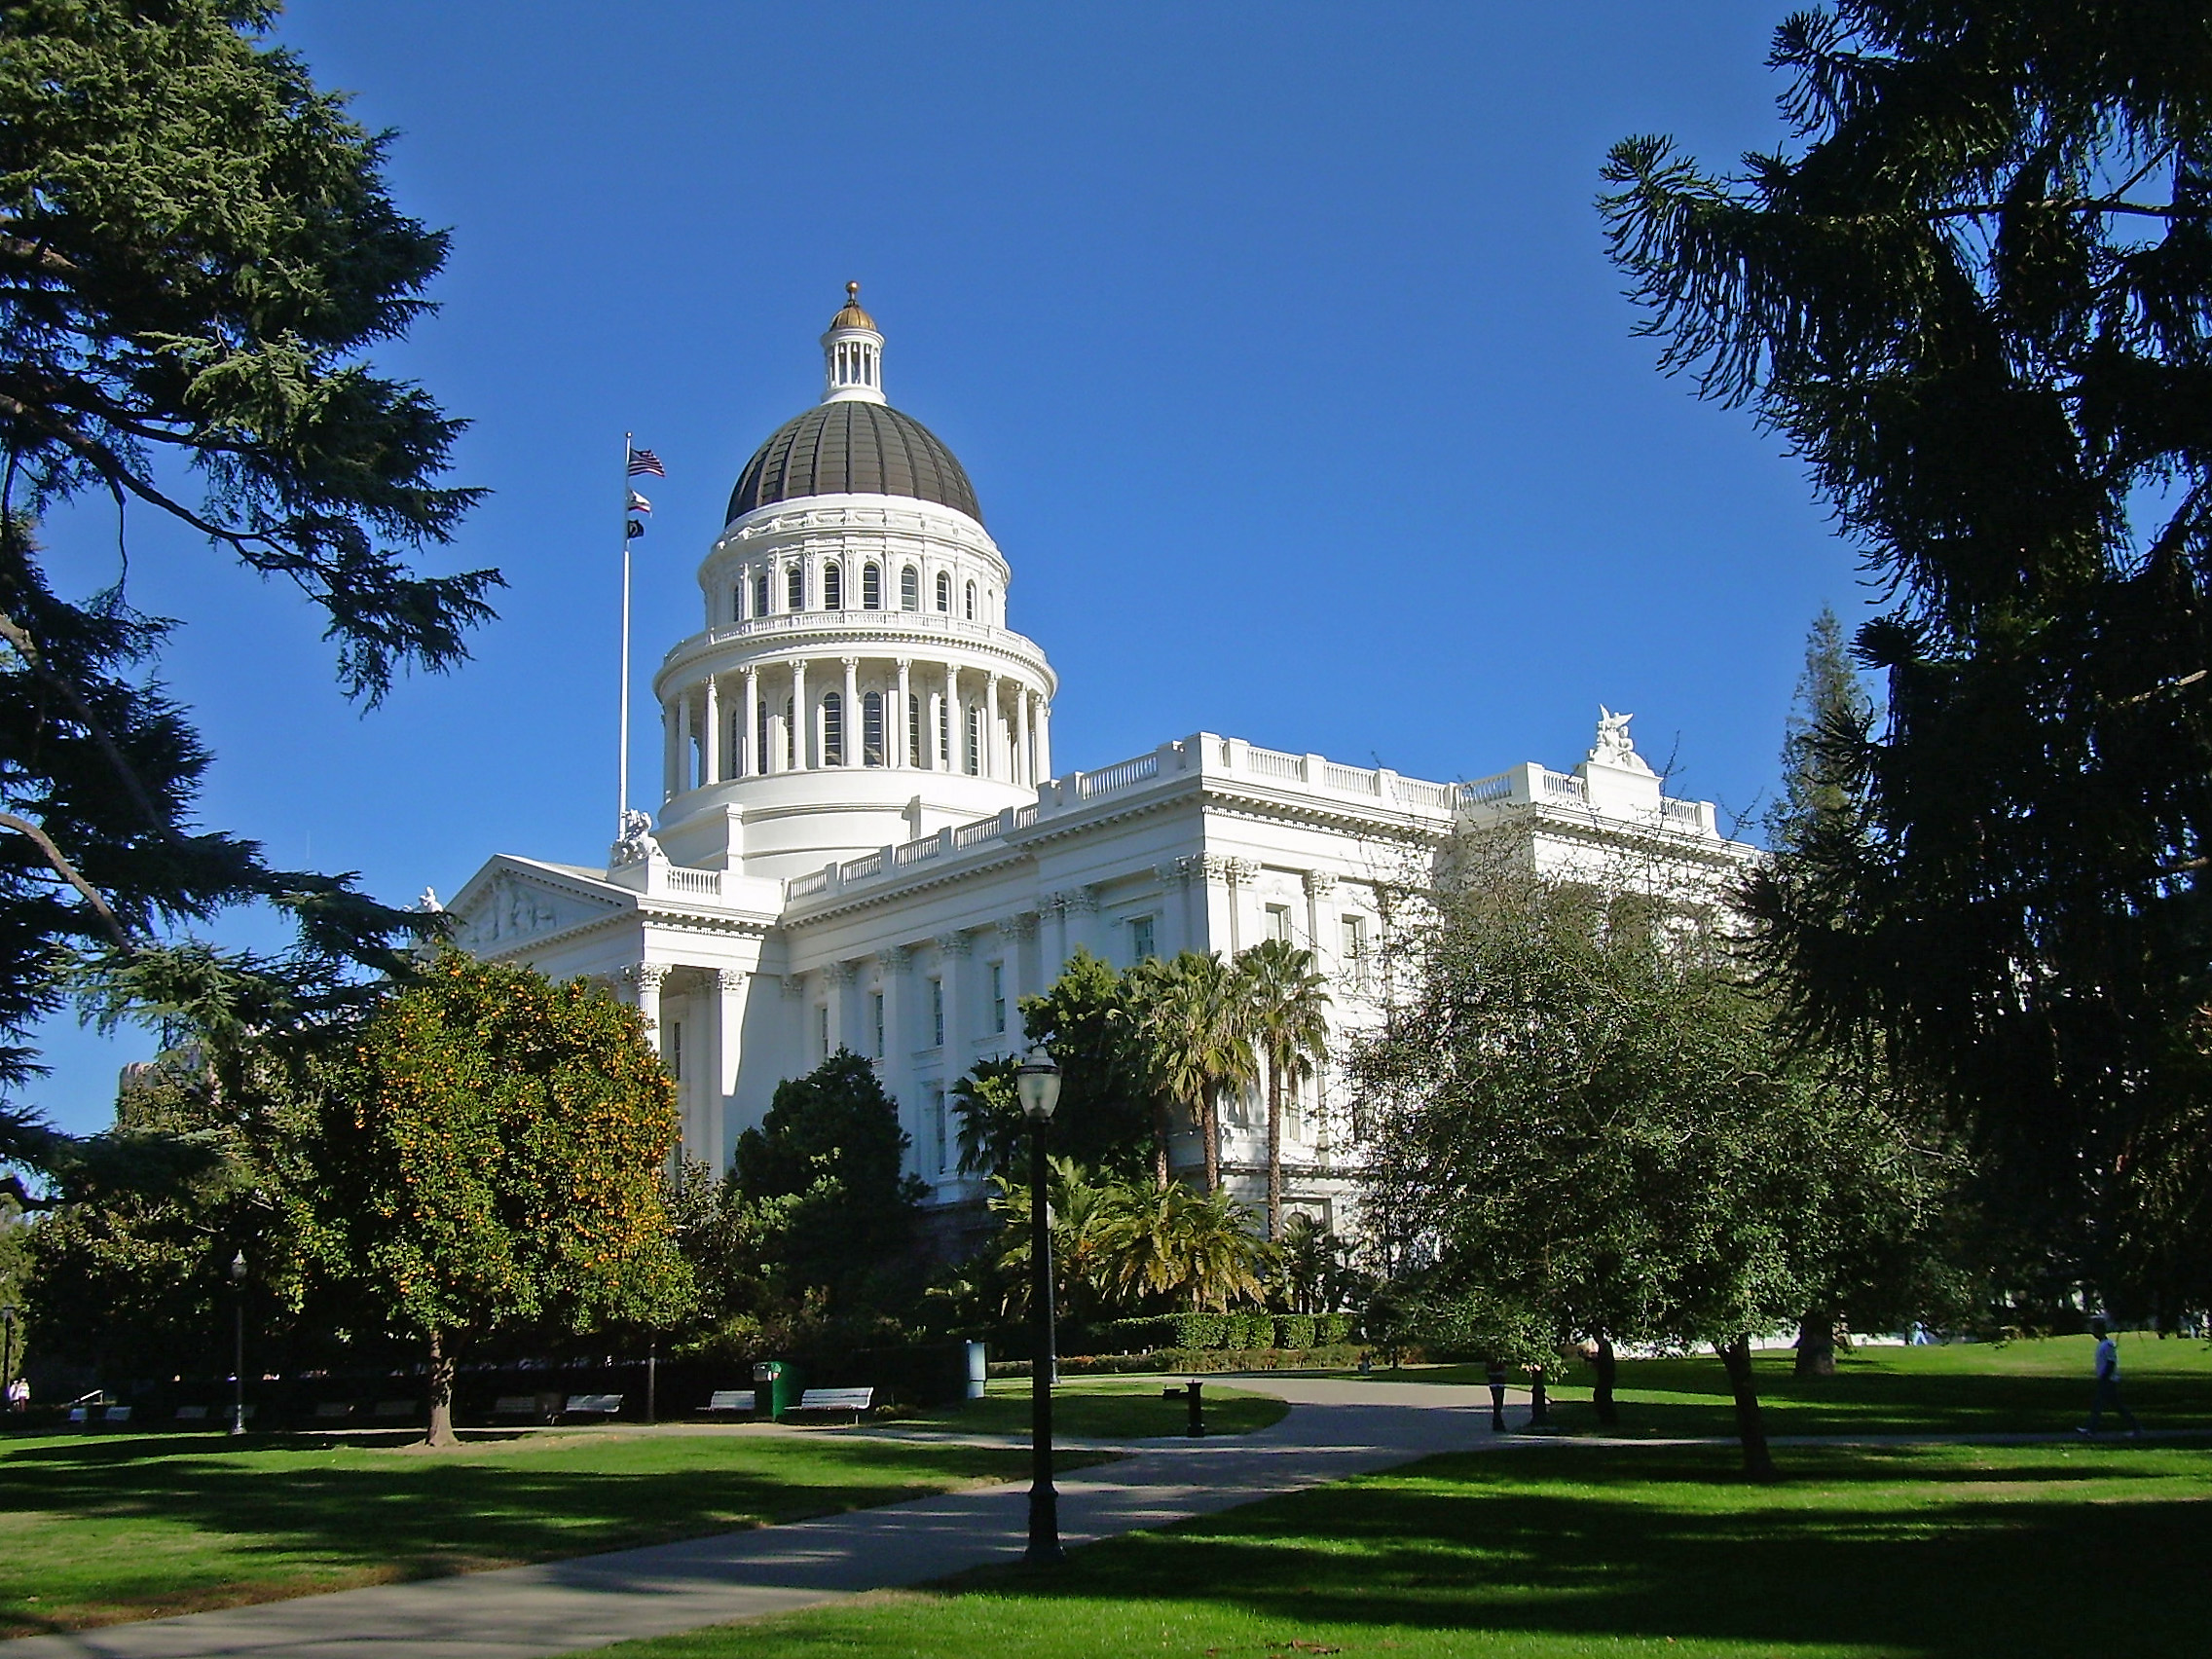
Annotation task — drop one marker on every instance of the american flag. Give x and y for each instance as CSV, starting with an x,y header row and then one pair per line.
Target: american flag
x,y
639,505
644,460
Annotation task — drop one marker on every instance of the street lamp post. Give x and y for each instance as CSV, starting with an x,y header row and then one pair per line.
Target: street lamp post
x,y
238,1342
1039,1081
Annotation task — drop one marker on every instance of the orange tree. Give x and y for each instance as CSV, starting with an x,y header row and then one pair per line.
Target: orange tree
x,y
491,1159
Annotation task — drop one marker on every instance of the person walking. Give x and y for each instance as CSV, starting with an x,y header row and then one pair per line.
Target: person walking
x,y
1495,1374
2108,1383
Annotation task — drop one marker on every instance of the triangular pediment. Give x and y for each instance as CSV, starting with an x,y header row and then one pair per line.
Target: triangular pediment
x,y
511,903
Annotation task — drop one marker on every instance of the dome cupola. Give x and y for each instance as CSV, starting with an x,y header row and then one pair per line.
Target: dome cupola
x,y
853,443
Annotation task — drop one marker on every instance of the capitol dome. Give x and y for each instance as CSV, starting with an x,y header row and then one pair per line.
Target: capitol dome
x,y
853,448
853,443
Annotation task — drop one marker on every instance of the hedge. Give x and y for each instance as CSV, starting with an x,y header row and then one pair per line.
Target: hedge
x,y
1341,1357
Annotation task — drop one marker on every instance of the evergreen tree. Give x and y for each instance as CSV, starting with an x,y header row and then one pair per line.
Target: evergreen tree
x,y
1974,294
197,247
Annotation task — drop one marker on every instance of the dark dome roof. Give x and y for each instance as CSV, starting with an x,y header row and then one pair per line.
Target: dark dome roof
x,y
853,447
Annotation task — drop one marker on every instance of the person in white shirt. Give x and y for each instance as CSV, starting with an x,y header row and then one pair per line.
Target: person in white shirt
x,y
2108,1383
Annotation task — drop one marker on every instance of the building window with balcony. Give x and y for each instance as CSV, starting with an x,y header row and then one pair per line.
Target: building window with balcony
x,y
871,587
909,589
971,601
945,592
791,737
998,999
832,728
833,587
761,737
1278,923
974,739
822,1028
761,594
875,1021
737,603
914,729
945,735
1140,940
937,1014
794,588
871,729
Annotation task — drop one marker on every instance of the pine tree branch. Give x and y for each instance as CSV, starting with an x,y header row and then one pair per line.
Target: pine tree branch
x,y
68,872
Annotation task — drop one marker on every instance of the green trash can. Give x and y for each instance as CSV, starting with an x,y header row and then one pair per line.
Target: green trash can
x,y
777,1386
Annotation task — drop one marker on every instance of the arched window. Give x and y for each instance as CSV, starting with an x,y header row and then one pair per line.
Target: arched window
x,y
945,735
913,730
971,601
945,592
761,594
794,588
974,738
909,589
790,739
761,737
833,587
737,603
871,587
871,729
832,728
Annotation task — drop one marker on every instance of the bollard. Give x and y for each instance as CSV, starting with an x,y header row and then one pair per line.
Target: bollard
x,y
1197,1400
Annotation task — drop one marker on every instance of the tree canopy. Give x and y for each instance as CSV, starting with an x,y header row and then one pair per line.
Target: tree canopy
x,y
197,250
1974,293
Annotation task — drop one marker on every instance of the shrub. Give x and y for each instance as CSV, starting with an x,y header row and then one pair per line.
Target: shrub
x,y
1294,1330
1330,1329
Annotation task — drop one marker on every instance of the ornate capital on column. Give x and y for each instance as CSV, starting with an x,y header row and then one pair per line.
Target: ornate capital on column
x,y
842,972
645,975
850,662
1020,925
904,665
1212,867
954,944
794,986
727,982
898,959
1319,883
1078,901
1173,873
1242,870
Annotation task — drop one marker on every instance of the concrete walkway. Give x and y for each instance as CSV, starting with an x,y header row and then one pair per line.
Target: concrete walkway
x,y
1337,1427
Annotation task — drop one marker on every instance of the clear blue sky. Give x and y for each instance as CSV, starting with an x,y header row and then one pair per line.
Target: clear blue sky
x,y
1278,338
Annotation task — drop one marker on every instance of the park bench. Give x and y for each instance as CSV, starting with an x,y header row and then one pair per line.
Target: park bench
x,y
731,1400
116,1413
329,1410
592,1405
538,1408
192,1413
858,1401
395,1410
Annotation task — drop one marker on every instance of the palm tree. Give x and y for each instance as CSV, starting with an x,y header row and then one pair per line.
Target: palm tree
x,y
1192,1022
1193,1249
1286,1005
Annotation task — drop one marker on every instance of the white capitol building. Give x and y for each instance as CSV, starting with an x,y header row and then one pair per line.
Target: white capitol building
x,y
863,842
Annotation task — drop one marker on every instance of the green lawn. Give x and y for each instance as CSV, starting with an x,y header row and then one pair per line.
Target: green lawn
x,y
98,1529
1108,1408
2036,1386
1551,1550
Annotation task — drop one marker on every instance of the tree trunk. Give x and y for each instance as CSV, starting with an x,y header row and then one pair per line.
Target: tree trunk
x,y
1161,1131
1539,1400
1750,1428
441,1394
1602,1395
1209,1130
1816,1343
1275,1151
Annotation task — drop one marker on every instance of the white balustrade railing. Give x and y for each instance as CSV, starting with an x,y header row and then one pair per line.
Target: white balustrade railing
x,y
708,882
1271,764
977,834
1352,780
1684,812
915,852
860,868
807,885
1482,790
1089,786
1566,786
1437,798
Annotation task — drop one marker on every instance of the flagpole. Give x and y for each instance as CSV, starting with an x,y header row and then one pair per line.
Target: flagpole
x,y
622,740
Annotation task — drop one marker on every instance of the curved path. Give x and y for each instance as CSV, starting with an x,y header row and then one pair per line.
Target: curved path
x,y
1337,1427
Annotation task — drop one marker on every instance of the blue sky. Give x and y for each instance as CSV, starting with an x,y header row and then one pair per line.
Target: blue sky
x,y
1279,341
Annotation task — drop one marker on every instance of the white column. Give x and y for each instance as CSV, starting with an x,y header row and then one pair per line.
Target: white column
x,y
803,722
855,729
955,739
667,751
713,733
839,981
1319,884
897,1073
990,726
747,739
645,980
899,745
725,1028
1043,738
686,767
952,954
1024,768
